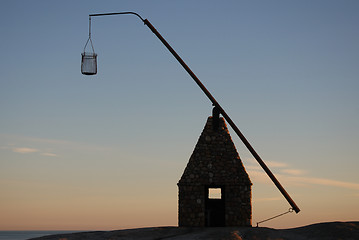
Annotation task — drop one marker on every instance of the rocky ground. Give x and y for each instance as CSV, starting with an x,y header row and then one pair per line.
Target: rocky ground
x,y
331,230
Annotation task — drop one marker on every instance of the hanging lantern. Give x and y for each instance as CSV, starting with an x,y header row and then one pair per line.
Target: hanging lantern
x,y
89,59
89,63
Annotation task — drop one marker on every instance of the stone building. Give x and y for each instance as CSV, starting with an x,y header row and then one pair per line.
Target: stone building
x,y
215,189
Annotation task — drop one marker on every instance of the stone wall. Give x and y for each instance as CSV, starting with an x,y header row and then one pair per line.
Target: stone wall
x,y
214,163
191,206
238,205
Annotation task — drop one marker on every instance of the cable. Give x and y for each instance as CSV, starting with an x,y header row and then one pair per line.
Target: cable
x,y
289,211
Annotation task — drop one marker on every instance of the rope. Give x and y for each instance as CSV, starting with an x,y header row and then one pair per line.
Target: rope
x,y
289,211
89,39
89,26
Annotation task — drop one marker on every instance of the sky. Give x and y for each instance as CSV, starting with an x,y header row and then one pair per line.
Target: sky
x,y
106,151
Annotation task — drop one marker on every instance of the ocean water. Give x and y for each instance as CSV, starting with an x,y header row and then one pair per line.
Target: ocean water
x,y
24,235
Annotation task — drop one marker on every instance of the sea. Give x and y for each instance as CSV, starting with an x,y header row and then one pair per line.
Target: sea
x,y
24,235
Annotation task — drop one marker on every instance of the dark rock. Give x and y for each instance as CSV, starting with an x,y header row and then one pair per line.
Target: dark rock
x,y
320,231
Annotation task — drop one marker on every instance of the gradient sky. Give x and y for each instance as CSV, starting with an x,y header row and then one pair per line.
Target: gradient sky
x,y
106,151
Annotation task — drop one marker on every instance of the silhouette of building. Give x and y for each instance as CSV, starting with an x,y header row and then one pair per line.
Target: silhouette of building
x,y
215,189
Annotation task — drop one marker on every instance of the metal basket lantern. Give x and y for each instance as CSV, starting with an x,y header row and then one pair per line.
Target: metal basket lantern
x,y
89,63
89,59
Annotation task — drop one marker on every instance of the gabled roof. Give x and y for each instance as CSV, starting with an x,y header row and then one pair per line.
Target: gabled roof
x,y
215,160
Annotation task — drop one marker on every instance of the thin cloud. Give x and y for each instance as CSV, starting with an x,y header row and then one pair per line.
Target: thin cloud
x,y
274,164
295,172
261,176
25,150
54,143
252,167
45,147
49,154
271,164
258,176
326,182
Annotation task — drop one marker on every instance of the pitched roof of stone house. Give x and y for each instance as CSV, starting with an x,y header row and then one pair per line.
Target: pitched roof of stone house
x,y
215,160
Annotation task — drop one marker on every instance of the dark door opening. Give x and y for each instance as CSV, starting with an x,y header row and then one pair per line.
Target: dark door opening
x,y
215,211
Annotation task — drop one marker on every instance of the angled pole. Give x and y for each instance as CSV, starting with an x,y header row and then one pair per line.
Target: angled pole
x,y
216,104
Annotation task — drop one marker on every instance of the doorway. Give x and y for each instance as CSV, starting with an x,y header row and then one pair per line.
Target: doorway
x,y
215,207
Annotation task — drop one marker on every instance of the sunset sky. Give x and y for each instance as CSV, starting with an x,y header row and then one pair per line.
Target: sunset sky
x,y
106,152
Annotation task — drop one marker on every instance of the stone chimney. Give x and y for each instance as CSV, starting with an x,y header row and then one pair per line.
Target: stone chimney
x,y
215,189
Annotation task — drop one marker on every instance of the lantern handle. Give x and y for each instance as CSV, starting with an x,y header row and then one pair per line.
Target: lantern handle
x,y
89,38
